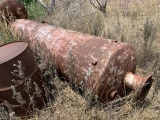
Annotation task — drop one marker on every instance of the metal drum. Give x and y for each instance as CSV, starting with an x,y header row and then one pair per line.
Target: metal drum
x,y
20,78
12,8
89,62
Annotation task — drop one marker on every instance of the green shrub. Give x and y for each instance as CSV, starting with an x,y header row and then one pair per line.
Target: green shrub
x,y
35,11
27,1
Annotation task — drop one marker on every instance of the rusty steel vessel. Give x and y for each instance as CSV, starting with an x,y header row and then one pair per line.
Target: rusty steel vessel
x,y
104,66
12,9
21,84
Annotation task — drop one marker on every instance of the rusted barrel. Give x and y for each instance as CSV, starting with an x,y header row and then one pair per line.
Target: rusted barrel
x,y
13,9
99,64
20,78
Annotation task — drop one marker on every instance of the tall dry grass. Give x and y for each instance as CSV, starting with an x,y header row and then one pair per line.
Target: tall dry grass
x,y
134,23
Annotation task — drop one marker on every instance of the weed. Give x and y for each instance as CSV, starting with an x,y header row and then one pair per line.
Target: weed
x,y
35,11
5,34
3,113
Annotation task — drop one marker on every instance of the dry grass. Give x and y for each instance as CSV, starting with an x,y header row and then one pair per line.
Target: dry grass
x,y
129,24
136,24
5,34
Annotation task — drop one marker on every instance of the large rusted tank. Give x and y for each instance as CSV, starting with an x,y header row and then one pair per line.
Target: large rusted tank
x,y
20,79
12,9
89,62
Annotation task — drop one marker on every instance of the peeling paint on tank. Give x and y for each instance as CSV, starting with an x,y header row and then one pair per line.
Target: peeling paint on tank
x,y
40,36
113,69
73,43
119,57
88,73
120,72
87,60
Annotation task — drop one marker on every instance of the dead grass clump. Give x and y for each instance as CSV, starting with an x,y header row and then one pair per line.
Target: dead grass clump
x,y
5,33
136,23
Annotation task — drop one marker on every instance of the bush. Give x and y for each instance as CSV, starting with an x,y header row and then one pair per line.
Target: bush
x,y
35,11
26,1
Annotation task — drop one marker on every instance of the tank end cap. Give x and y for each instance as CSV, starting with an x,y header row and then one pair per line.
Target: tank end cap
x,y
144,87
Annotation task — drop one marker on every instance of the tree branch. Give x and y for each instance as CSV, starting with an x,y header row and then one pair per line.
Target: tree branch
x,y
42,3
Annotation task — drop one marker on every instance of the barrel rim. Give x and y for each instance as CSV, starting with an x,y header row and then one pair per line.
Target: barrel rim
x,y
17,54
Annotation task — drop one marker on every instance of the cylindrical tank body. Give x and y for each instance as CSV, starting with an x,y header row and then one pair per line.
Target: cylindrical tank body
x,y
87,61
12,8
19,73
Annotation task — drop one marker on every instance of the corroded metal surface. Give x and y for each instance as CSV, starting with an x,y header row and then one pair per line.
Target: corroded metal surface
x,y
87,61
12,8
24,78
139,84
